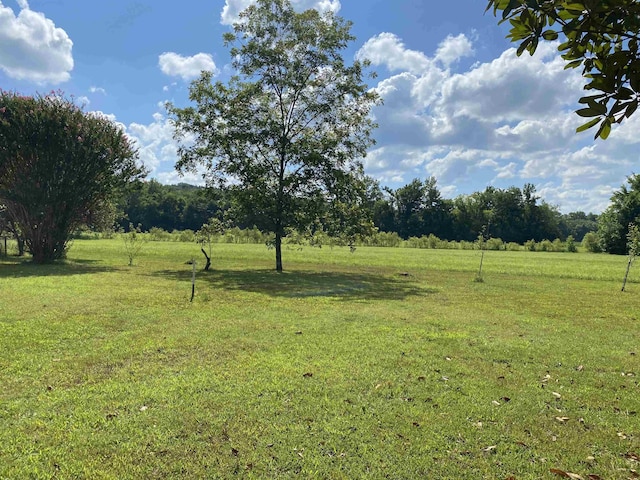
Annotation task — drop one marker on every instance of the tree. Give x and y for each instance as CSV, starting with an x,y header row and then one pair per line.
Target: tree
x,y
58,164
633,246
289,128
613,224
601,36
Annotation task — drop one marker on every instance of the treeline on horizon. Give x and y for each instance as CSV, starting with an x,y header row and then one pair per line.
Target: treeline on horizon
x,y
415,210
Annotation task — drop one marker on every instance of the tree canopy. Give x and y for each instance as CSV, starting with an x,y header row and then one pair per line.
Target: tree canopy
x,y
602,37
286,133
58,165
613,224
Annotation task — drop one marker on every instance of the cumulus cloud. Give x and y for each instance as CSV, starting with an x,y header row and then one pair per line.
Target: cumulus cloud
x,y
100,90
187,68
388,50
32,48
453,49
507,121
232,8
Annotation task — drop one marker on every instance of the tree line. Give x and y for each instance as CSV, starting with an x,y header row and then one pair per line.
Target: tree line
x,y
413,210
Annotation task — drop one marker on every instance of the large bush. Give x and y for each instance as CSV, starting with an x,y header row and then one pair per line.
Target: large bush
x,y
58,167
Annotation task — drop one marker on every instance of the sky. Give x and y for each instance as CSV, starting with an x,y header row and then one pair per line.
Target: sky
x,y
459,104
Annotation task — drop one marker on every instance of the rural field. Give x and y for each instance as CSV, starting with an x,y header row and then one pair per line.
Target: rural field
x,y
383,363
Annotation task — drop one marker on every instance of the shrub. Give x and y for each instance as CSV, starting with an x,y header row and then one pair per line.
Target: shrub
x,y
530,245
571,244
544,246
591,242
494,244
513,247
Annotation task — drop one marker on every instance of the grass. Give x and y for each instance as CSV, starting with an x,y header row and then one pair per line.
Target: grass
x,y
385,363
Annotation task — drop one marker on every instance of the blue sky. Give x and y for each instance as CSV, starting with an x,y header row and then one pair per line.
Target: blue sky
x,y
458,103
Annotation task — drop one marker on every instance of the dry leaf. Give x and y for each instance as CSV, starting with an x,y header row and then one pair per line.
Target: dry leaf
x,y
553,438
448,359
488,449
580,368
556,394
632,456
593,476
378,386
564,474
562,419
496,403
143,408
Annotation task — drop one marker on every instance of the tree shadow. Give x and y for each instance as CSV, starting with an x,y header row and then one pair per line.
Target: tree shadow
x,y
22,267
301,284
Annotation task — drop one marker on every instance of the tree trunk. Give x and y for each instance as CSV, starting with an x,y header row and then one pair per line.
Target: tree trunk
x,y
206,267
278,252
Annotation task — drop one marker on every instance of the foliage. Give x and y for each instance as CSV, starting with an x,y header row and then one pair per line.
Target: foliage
x,y
613,224
287,130
133,240
601,37
171,207
59,166
571,244
591,242
204,237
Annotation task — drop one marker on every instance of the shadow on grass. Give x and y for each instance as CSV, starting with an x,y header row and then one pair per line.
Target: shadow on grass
x,y
294,284
23,267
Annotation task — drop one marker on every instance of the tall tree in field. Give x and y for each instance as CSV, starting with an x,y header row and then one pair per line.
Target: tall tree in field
x,y
58,166
287,131
601,36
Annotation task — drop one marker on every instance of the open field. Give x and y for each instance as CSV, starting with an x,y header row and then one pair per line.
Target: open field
x,y
339,368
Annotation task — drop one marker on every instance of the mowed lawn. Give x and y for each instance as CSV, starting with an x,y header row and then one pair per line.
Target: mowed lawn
x,y
384,363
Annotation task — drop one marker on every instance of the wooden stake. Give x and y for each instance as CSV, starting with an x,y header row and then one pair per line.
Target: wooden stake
x,y
193,278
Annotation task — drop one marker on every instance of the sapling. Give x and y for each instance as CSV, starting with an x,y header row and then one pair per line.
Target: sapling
x,y
134,240
633,245
204,237
481,242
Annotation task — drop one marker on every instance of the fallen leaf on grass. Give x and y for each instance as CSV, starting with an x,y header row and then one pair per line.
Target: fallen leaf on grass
x,y
632,456
496,403
556,394
580,368
562,419
489,449
564,474
143,408
593,476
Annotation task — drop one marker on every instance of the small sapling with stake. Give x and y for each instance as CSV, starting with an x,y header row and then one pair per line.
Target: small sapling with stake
x,y
633,244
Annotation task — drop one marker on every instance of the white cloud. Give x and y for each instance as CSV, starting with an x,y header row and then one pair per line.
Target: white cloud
x,y
232,8
388,50
97,90
452,49
188,68
504,122
32,48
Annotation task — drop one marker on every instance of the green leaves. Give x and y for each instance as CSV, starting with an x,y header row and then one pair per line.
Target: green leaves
x,y
289,130
603,37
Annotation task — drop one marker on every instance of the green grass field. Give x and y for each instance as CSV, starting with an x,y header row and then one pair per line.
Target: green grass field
x,y
385,363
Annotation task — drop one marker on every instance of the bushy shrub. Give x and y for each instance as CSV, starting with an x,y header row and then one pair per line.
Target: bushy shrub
x,y
494,244
465,245
544,246
557,246
571,244
530,245
591,243
187,236
159,234
513,247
